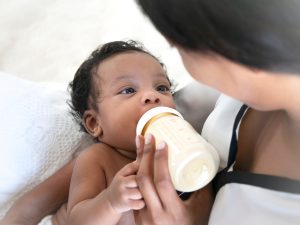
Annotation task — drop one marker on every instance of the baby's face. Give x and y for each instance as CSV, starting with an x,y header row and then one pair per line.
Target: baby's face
x,y
131,83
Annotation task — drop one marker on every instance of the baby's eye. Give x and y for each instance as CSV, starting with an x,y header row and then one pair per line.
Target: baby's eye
x,y
128,90
163,88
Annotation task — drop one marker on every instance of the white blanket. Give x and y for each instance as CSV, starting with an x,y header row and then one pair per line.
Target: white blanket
x,y
37,135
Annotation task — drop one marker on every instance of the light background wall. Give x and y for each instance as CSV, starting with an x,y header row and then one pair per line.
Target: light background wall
x,y
46,40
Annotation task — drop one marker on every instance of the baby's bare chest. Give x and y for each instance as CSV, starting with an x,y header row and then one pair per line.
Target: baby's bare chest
x,y
112,166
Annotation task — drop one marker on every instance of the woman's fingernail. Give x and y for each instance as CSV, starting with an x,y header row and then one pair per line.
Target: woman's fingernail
x,y
161,145
148,139
137,142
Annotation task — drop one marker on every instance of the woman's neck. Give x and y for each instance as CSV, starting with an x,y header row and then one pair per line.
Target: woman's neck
x,y
269,143
292,132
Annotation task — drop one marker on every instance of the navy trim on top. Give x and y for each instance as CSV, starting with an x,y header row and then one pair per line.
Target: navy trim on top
x,y
233,142
275,183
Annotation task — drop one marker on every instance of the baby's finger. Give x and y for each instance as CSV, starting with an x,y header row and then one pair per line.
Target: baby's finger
x,y
130,181
134,193
136,204
129,169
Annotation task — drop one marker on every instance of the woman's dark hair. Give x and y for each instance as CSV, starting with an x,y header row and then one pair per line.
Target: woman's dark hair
x,y
83,93
260,34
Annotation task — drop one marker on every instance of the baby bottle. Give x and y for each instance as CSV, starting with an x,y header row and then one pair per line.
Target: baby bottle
x,y
193,162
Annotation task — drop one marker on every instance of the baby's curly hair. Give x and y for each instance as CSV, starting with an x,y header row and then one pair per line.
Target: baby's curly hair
x,y
83,93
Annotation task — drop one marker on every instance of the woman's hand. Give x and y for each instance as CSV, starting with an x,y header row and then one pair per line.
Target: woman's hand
x,y
6,221
163,206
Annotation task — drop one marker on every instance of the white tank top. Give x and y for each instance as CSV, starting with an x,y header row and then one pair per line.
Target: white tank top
x,y
242,197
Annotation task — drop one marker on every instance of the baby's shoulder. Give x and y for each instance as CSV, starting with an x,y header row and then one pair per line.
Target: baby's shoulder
x,y
98,152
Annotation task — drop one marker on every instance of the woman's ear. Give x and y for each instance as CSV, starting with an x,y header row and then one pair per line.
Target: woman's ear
x,y
91,123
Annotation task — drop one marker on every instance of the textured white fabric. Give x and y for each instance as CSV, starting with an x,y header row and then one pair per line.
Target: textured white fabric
x,y
37,135
46,221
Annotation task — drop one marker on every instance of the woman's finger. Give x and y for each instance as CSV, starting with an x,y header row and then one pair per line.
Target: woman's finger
x,y
162,178
139,142
145,175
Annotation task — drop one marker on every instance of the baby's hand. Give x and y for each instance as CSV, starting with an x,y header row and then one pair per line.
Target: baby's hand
x,y
123,192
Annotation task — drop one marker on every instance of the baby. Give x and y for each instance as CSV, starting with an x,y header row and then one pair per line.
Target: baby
x,y
111,90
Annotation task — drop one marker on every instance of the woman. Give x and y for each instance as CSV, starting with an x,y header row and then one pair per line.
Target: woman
x,y
250,51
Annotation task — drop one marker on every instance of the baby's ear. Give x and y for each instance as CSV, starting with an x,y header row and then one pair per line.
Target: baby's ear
x,y
91,123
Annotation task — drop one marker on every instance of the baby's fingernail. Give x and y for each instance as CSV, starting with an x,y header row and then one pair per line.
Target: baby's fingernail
x,y
148,139
161,145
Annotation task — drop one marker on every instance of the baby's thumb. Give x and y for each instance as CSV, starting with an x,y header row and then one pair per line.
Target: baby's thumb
x,y
129,169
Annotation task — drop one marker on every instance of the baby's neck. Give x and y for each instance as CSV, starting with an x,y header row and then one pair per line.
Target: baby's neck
x,y
127,154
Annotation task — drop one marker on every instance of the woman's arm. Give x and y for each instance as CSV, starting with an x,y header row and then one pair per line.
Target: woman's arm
x,y
42,200
159,194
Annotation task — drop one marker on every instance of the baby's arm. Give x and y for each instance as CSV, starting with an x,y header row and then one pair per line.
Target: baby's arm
x,y
91,201
42,200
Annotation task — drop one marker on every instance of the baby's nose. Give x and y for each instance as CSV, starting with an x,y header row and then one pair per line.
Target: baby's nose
x,y
151,97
